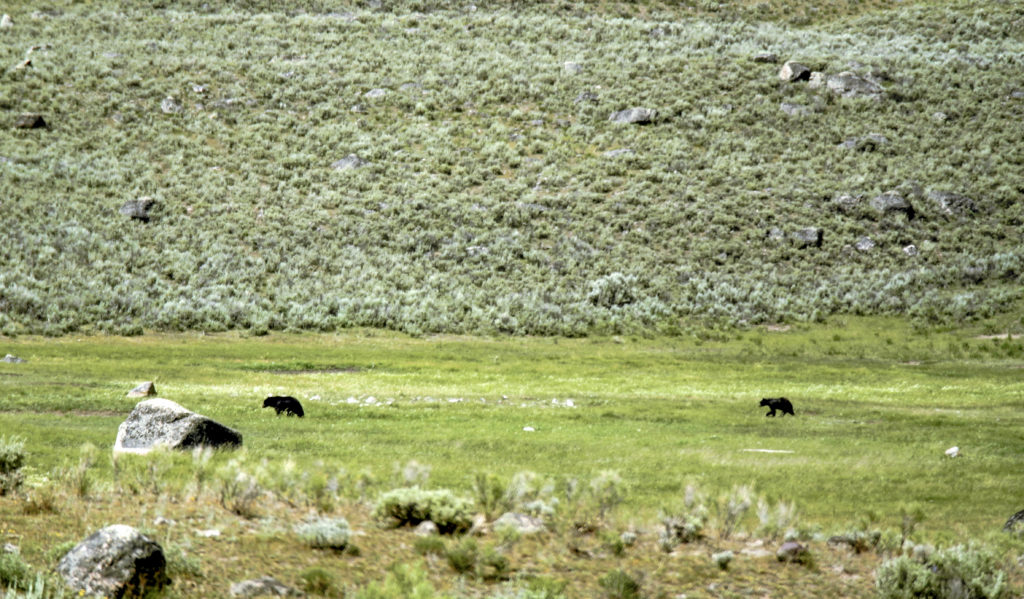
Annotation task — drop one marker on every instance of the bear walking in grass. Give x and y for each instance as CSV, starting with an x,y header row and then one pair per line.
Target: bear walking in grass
x,y
777,403
289,405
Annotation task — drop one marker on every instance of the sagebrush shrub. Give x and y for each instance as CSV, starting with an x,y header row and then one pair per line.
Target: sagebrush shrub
x,y
12,458
411,505
960,572
325,533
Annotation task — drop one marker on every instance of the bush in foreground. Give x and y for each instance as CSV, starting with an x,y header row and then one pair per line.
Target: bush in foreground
x,y
412,505
960,572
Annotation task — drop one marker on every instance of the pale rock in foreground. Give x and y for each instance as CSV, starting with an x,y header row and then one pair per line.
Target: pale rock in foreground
x,y
116,561
266,586
162,422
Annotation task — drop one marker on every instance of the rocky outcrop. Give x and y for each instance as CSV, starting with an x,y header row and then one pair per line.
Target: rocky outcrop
x,y
116,561
953,204
162,422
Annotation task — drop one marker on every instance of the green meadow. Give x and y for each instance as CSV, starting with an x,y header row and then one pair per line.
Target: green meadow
x,y
877,404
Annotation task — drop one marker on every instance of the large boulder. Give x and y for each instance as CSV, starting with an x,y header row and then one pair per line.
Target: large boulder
x,y
162,422
116,561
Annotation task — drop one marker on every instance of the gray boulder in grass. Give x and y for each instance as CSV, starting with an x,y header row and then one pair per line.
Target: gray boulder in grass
x,y
162,422
116,561
147,389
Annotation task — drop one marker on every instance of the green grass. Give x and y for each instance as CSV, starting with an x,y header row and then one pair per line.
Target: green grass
x,y
869,435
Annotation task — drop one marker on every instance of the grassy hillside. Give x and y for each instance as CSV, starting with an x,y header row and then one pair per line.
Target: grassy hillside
x,y
488,195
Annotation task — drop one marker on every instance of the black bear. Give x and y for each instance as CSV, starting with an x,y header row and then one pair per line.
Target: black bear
x,y
288,405
777,403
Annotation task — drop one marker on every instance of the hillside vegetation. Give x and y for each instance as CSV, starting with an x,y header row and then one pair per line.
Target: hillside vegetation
x,y
449,167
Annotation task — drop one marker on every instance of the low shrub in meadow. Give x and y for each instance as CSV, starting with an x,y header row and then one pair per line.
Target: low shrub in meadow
x,y
411,505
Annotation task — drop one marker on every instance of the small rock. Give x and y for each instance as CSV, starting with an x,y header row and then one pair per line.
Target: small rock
x,y
792,552
846,202
586,97
794,109
9,547
170,105
940,117
775,234
573,68
619,152
349,162
30,120
12,359
378,92
634,116
864,244
524,524
794,71
808,237
892,201
766,57
953,452
138,209
161,521
816,80
628,538
911,250
146,389
426,529
266,586
1017,94
6,22
479,526
851,85
23,64
209,533
953,204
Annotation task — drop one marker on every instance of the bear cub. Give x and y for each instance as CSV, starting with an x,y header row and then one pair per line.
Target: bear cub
x,y
288,405
777,403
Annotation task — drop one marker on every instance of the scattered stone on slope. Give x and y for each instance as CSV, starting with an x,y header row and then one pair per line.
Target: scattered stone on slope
x,y
162,422
30,120
953,204
12,359
267,586
766,57
618,153
846,202
634,116
377,92
892,202
170,105
426,529
816,80
910,250
6,22
116,561
808,237
795,109
147,389
775,234
864,244
850,85
586,96
792,551
349,162
794,71
138,209
573,68
868,143
524,524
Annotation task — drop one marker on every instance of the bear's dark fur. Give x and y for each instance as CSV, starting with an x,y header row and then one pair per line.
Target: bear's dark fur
x,y
288,405
777,403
